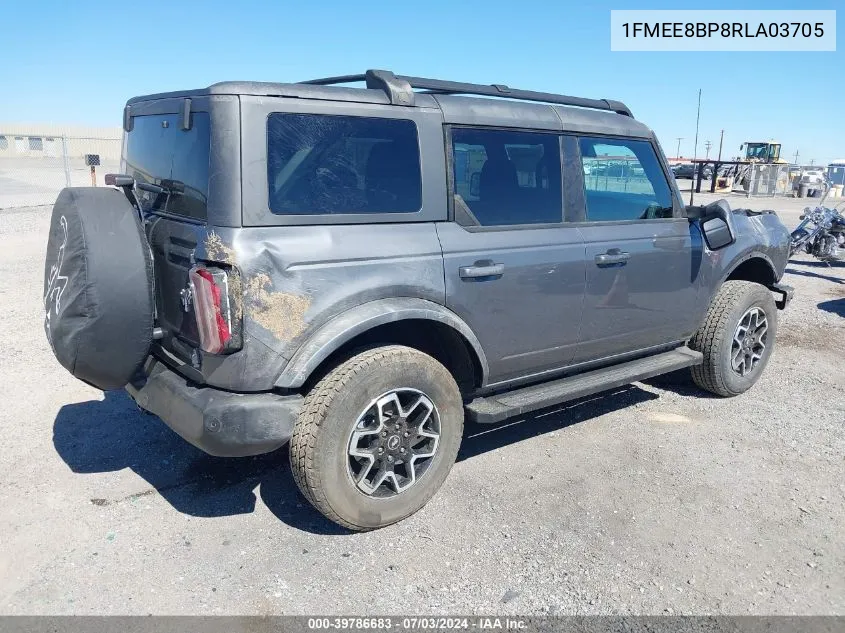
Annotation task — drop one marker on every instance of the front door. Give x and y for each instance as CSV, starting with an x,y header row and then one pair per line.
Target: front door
x,y
642,262
514,272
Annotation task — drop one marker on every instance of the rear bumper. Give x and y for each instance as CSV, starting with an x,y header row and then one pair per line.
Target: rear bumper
x,y
786,293
218,422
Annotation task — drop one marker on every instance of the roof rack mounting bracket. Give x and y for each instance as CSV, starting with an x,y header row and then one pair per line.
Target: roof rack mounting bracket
x,y
618,107
397,90
400,90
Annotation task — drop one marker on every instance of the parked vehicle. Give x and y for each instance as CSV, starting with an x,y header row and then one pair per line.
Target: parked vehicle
x,y
689,170
762,152
811,180
356,271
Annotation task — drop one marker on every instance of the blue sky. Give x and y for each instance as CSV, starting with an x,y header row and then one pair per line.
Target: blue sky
x,y
69,62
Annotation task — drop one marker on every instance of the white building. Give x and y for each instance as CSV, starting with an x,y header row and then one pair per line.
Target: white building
x,y
38,140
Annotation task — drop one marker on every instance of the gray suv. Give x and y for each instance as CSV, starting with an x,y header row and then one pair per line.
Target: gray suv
x,y
356,271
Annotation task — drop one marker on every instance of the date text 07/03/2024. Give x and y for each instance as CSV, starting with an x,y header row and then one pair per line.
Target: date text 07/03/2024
x,y
417,623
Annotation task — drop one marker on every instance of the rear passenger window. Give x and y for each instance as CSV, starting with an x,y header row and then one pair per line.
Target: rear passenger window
x,y
507,177
623,180
326,164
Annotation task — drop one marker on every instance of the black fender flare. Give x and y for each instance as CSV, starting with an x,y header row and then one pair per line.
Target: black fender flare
x,y
786,292
737,261
342,328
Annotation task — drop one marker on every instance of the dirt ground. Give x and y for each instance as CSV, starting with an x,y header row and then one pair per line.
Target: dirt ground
x,y
656,498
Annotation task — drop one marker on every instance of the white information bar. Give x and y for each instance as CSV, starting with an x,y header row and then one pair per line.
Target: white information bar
x,y
722,30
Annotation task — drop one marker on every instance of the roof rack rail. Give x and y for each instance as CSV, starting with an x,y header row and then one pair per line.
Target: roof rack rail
x,y
399,89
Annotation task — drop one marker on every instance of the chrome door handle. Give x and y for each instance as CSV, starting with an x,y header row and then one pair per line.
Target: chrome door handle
x,y
613,257
485,270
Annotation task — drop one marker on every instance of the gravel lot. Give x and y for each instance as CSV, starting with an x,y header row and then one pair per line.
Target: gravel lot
x,y
653,499
27,181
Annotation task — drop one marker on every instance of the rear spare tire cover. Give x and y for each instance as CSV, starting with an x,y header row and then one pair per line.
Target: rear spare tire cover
x,y
98,300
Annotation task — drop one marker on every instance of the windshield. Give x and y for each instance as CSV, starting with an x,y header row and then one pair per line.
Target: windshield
x,y
757,150
159,152
763,151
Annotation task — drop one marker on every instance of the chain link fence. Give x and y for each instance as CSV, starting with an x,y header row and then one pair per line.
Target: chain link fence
x,y
751,179
768,180
34,167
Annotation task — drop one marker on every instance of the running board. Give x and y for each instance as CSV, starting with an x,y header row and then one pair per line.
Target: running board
x,y
492,409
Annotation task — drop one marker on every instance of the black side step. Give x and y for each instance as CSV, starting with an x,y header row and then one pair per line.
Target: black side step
x,y
492,409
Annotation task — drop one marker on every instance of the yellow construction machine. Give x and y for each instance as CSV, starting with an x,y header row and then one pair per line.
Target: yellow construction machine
x,y
762,152
743,172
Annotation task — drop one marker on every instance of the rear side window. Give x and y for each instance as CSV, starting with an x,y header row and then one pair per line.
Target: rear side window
x,y
623,180
160,152
505,177
327,164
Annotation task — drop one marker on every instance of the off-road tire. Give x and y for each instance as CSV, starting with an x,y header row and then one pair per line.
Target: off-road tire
x,y
319,445
715,336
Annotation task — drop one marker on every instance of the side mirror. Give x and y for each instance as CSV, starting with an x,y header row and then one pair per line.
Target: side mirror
x,y
716,223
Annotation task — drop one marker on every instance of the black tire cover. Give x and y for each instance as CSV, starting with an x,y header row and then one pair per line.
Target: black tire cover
x,y
98,300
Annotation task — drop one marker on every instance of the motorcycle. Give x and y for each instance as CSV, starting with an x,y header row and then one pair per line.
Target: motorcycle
x,y
821,233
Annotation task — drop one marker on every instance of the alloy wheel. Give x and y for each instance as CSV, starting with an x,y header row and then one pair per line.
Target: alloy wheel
x,y
393,442
749,341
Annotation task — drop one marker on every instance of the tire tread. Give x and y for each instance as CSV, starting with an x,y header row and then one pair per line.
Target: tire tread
x,y
711,335
304,465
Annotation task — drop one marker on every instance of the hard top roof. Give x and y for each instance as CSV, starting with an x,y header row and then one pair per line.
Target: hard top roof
x,y
485,104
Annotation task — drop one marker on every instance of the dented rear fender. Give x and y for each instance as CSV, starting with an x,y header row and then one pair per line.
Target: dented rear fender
x,y
295,279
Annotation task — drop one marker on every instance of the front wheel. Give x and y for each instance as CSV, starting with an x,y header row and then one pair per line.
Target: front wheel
x,y
377,437
737,338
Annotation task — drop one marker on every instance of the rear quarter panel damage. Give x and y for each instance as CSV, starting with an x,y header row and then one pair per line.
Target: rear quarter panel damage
x,y
295,279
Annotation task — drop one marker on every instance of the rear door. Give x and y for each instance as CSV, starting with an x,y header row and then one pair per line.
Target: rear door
x,y
514,271
642,259
159,151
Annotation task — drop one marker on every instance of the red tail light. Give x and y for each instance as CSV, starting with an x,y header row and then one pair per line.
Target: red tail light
x,y
210,289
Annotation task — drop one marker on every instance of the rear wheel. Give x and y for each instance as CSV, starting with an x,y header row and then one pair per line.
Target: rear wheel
x,y
377,437
737,338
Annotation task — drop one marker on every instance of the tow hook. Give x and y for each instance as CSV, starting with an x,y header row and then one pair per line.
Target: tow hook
x,y
786,293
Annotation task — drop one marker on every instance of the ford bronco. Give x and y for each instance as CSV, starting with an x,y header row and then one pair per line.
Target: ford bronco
x,y
354,271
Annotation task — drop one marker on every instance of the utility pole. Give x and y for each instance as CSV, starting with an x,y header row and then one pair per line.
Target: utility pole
x,y
695,151
721,139
678,152
707,146
796,157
